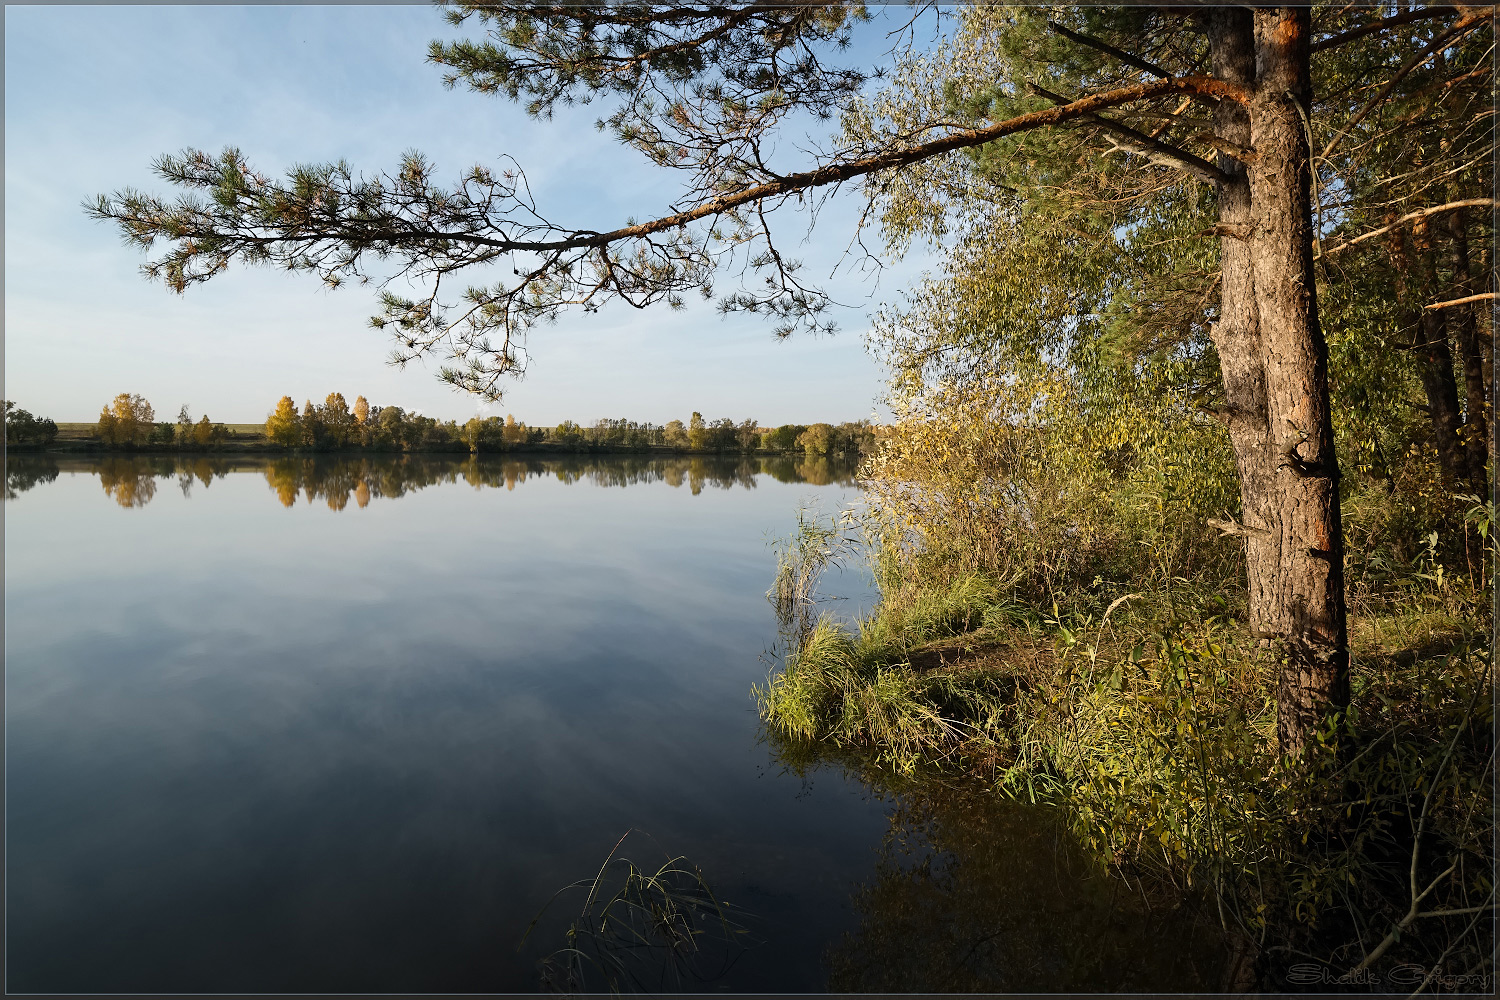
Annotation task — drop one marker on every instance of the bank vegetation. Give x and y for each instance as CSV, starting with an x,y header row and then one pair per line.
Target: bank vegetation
x,y
1071,518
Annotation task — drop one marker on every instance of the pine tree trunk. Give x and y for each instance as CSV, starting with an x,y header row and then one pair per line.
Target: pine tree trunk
x,y
1275,365
1236,334
1313,640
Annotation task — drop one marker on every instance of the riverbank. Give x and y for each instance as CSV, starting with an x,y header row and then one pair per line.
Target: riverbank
x,y
250,439
258,446
1147,718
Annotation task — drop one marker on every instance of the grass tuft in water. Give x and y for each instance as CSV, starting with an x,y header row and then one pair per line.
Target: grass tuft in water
x,y
643,930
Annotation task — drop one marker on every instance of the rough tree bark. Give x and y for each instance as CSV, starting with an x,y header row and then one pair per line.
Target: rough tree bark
x,y
1275,367
1236,334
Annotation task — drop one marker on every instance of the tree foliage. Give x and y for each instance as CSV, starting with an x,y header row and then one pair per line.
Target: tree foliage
x,y
23,428
128,420
284,426
704,91
1071,315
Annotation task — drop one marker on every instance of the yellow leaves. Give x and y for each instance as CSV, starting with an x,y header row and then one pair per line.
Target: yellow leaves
x,y
1030,470
127,420
284,426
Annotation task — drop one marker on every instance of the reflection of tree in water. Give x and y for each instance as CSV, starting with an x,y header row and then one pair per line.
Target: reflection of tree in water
x,y
817,471
977,894
199,469
336,480
22,472
131,480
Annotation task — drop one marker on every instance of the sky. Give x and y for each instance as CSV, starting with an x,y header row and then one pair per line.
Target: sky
x,y
93,94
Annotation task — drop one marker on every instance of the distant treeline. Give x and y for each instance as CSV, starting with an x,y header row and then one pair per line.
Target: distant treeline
x,y
334,425
129,423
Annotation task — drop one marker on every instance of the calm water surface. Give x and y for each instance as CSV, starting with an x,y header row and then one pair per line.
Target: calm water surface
x,y
348,725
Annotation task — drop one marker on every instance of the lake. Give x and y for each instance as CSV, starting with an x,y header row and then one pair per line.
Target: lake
x,y
347,725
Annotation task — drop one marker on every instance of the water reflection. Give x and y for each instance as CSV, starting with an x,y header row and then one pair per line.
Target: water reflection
x,y
255,752
126,482
200,469
22,472
973,893
248,752
336,481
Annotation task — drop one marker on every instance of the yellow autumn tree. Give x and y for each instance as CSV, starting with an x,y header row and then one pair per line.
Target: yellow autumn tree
x,y
206,432
283,426
129,420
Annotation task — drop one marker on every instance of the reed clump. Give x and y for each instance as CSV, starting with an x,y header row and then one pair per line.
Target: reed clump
x,y
897,683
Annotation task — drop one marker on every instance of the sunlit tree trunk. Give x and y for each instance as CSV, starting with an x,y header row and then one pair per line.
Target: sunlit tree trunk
x,y
1275,366
1236,335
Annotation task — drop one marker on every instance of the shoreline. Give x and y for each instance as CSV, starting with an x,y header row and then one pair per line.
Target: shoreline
x,y
82,447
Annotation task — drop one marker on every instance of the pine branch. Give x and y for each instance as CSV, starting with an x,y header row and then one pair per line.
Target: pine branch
x,y
1142,143
1395,21
1102,46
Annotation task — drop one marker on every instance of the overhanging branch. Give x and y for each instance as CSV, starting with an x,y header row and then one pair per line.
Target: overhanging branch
x,y
1142,143
962,139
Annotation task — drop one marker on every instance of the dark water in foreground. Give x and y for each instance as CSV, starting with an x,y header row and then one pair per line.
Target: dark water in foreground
x,y
348,725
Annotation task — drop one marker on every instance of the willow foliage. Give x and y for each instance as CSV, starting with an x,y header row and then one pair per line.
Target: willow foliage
x,y
1054,383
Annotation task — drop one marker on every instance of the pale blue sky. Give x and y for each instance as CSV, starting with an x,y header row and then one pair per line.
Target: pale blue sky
x,y
93,94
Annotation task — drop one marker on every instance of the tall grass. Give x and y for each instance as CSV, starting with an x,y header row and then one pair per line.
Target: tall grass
x,y
820,543
859,689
